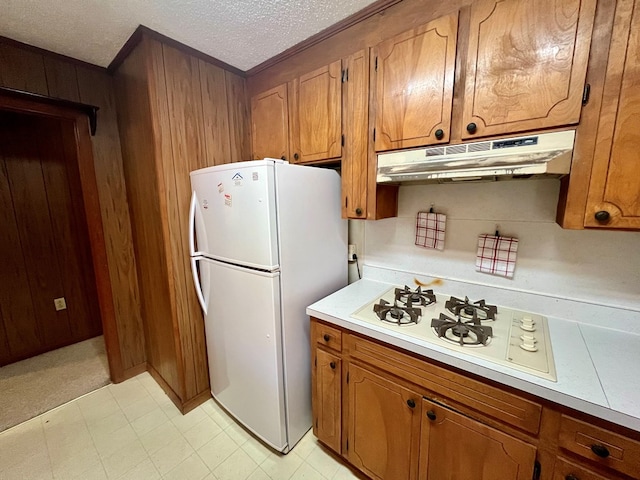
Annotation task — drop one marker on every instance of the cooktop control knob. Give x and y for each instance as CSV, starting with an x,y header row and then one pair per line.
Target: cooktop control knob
x,y
529,345
527,324
528,337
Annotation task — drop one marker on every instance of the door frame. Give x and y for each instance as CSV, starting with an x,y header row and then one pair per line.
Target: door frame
x,y
93,215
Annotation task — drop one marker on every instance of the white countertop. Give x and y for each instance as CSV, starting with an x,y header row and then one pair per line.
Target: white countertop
x,y
595,366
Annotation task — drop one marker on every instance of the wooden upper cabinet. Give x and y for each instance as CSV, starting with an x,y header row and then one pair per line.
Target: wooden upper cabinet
x,y
526,65
480,453
614,192
414,75
316,114
383,426
270,123
355,122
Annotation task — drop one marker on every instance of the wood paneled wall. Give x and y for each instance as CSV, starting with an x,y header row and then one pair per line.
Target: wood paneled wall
x,y
30,70
44,244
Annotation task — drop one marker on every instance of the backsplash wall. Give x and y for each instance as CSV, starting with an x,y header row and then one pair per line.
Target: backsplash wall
x,y
596,266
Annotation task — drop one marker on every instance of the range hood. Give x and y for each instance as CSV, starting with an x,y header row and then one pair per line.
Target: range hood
x,y
546,154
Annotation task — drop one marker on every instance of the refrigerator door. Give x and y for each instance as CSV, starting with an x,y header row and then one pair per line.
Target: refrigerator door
x,y
234,214
243,334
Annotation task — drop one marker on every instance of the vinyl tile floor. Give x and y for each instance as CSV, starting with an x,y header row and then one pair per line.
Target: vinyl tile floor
x,y
132,430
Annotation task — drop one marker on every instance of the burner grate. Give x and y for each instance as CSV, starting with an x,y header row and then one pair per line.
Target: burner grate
x,y
462,332
466,309
418,296
397,314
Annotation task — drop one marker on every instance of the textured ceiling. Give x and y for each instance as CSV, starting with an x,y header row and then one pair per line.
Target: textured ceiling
x,y
243,33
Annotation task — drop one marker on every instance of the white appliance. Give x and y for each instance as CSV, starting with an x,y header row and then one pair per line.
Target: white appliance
x,y
266,240
502,335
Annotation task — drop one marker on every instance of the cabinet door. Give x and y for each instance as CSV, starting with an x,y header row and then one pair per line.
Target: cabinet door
x,y
354,168
480,452
414,85
526,65
384,426
614,192
316,117
326,399
270,124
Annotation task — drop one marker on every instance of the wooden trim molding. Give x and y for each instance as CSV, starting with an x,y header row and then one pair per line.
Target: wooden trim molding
x,y
351,20
90,110
142,31
84,158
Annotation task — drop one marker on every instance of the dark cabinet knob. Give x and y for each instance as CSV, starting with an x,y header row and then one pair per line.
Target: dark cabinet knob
x,y
333,365
439,134
326,337
571,477
472,128
431,415
296,156
358,211
602,216
411,402
283,158
600,450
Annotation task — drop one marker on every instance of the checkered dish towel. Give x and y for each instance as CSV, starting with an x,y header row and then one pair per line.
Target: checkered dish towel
x,y
497,255
430,230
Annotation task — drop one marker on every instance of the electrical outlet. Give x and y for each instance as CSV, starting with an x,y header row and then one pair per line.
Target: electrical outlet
x,y
352,252
60,304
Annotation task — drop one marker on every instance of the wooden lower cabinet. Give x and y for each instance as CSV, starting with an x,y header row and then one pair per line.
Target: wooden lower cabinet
x,y
456,447
395,415
383,426
327,411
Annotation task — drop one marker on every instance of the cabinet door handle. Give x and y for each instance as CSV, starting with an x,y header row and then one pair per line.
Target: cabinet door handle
x,y
600,450
602,216
296,156
412,403
326,337
358,211
283,158
439,134
333,365
472,128
431,415
571,476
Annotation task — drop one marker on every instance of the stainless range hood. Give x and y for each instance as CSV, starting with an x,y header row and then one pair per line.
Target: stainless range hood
x,y
546,154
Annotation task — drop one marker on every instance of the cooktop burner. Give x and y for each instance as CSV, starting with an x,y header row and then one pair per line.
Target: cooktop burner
x,y
473,327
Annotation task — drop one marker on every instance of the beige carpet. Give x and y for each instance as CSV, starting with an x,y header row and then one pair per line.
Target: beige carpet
x,y
33,386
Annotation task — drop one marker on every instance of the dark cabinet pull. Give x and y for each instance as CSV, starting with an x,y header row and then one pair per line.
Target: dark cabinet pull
x,y
439,134
283,158
600,450
472,128
326,337
431,415
602,216
358,211
296,156
571,476
411,402
333,365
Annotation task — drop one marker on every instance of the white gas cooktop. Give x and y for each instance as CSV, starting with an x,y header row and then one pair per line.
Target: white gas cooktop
x,y
508,337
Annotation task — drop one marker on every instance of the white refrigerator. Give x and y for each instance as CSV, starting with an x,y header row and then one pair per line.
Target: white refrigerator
x,y
266,240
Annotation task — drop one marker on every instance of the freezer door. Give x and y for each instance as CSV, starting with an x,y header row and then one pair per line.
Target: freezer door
x,y
234,214
243,334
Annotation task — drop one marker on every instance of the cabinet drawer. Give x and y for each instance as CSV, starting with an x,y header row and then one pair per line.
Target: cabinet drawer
x,y
599,445
565,470
460,392
328,336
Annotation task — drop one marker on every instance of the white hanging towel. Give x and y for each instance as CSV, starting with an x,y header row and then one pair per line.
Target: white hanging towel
x,y
497,255
430,228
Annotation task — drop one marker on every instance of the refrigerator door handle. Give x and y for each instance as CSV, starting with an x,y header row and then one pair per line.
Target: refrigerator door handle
x,y
192,224
198,285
